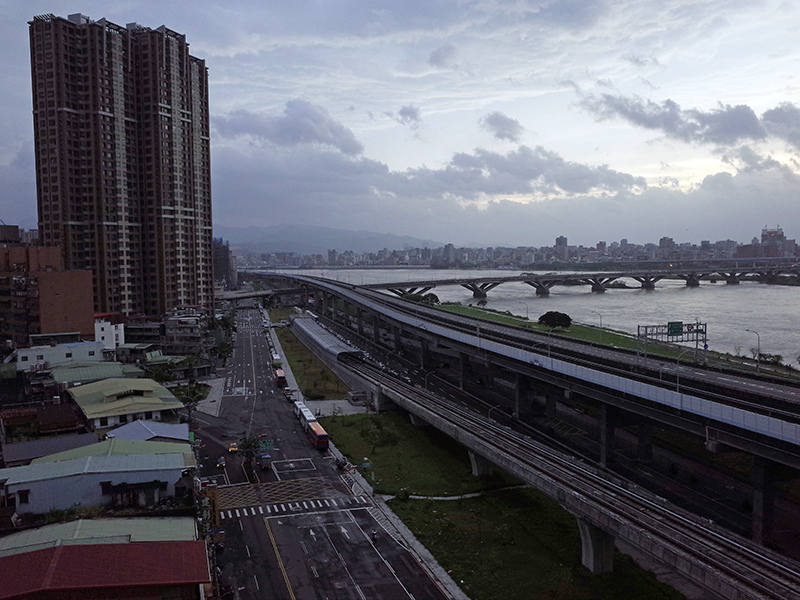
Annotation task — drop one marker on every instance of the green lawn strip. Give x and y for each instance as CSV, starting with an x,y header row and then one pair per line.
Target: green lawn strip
x,y
419,460
509,542
314,378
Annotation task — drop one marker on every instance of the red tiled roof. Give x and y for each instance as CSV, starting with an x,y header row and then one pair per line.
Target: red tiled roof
x,y
76,567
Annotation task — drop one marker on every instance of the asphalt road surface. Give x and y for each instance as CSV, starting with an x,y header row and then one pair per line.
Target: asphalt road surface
x,y
299,532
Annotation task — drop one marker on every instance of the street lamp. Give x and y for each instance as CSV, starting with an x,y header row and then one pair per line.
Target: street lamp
x,y
599,315
526,308
758,350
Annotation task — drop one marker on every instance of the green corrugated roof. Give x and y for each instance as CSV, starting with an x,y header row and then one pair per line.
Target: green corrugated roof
x,y
85,371
111,397
113,447
100,531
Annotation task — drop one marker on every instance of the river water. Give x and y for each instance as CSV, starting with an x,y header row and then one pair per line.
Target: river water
x,y
729,310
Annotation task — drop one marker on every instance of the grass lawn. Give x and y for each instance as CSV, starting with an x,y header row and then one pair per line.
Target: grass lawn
x,y
315,380
509,543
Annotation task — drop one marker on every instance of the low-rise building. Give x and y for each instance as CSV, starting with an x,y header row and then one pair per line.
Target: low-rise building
x,y
152,431
116,481
109,328
41,358
152,570
113,402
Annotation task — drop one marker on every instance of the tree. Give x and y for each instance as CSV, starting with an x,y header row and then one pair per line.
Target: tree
x,y
554,319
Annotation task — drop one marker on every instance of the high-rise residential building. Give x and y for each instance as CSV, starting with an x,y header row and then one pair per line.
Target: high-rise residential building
x,y
123,161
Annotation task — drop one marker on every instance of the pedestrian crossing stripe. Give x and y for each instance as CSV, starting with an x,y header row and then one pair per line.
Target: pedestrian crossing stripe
x,y
293,507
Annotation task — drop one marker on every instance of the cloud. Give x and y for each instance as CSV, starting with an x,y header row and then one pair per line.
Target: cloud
x,y
783,122
502,127
408,115
723,126
444,57
302,123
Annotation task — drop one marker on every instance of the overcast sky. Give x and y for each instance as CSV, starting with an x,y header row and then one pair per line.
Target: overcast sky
x,y
490,122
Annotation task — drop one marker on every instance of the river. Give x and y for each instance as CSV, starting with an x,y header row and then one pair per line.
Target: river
x,y
729,310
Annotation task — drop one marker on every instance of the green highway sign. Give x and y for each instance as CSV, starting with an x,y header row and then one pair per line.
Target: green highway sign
x,y
675,328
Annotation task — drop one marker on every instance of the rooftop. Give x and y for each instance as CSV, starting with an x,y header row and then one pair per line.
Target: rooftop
x,y
146,430
111,397
93,371
100,531
102,566
116,447
96,464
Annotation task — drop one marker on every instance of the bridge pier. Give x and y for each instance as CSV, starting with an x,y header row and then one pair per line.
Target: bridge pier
x,y
542,287
763,480
648,281
597,547
479,290
480,466
411,290
732,278
692,279
599,283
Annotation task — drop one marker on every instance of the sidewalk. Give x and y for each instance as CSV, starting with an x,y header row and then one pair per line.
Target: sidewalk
x,y
211,404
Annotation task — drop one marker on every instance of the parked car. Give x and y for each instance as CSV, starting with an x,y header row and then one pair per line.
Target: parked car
x,y
288,393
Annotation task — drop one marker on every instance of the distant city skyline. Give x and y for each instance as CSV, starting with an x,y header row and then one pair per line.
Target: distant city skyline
x,y
772,243
475,122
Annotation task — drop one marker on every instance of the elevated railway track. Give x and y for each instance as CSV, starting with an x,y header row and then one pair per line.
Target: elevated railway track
x,y
727,565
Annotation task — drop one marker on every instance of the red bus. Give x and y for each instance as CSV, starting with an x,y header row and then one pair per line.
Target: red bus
x,y
280,378
317,435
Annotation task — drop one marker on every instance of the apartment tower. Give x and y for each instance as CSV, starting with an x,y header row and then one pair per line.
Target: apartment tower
x,y
123,161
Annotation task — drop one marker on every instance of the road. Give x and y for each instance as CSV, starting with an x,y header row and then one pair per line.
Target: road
x,y
299,532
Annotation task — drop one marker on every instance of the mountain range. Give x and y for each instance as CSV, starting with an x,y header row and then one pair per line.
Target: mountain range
x,y
303,239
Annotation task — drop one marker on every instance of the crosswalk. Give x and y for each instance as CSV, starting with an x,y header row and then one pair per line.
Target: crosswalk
x,y
304,506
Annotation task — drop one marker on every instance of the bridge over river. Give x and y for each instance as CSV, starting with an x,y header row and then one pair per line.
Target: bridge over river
x,y
732,272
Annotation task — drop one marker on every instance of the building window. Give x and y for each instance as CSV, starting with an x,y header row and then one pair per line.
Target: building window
x,y
91,352
69,354
103,421
23,359
23,496
123,418
40,357
148,415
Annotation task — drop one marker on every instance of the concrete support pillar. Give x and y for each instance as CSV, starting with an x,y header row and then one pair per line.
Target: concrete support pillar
x,y
644,450
416,421
360,320
480,466
376,328
763,498
550,405
463,366
608,423
398,344
424,355
323,304
597,547
521,386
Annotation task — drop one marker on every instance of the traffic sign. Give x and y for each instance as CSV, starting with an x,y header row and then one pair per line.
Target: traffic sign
x,y
675,328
